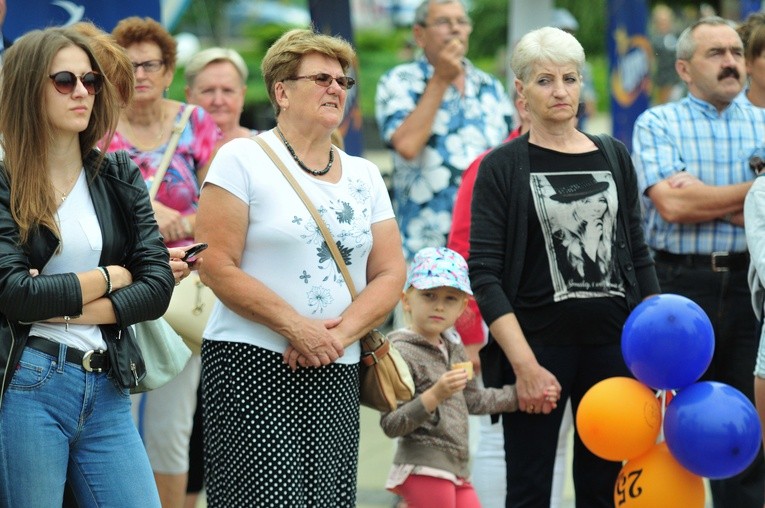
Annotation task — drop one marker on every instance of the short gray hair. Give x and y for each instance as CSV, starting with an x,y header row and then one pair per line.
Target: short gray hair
x,y
546,44
421,13
202,59
686,44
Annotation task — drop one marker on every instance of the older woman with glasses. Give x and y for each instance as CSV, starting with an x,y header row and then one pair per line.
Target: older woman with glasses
x,y
146,125
280,353
144,130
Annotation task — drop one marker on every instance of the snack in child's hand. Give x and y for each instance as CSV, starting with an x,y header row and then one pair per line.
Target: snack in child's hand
x,y
468,366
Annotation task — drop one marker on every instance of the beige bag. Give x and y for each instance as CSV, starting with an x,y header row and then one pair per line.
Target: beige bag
x,y
384,377
189,310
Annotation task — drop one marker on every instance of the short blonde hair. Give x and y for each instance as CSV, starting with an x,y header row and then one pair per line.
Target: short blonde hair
x,y
202,59
284,56
546,44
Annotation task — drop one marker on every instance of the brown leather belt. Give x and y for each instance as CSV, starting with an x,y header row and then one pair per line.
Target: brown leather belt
x,y
716,262
95,360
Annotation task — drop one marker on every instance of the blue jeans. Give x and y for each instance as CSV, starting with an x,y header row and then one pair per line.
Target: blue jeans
x,y
59,423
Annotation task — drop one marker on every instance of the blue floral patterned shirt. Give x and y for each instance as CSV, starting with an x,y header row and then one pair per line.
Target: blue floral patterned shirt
x,y
465,126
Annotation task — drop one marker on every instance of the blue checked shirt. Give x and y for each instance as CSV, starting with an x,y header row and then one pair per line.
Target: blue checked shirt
x,y
465,126
690,135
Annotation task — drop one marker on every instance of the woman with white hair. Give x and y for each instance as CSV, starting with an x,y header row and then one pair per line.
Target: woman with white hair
x,y
216,79
555,316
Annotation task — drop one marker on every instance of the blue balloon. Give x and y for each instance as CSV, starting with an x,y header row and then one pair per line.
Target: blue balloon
x,y
668,342
712,430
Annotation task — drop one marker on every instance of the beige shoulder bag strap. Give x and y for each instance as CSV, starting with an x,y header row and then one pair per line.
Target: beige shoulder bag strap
x,y
170,150
314,213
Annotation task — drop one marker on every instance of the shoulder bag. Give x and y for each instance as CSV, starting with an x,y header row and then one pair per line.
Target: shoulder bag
x,y
192,301
384,377
164,351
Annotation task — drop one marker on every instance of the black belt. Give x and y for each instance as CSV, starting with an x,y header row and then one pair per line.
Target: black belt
x,y
717,261
95,360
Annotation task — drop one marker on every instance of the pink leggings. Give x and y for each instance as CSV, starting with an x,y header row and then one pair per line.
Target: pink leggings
x,y
428,492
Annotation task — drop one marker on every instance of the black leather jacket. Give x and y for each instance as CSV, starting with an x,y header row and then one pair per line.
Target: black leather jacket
x,y
131,238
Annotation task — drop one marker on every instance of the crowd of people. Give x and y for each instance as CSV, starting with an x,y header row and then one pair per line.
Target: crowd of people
x,y
514,247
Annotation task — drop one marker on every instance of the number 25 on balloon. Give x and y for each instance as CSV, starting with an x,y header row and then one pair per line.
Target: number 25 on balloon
x,y
627,486
656,480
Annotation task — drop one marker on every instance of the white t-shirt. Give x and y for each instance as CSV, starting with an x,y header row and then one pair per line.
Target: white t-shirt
x,y
81,246
284,248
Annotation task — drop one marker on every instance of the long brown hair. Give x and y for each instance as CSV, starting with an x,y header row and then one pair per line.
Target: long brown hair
x,y
25,130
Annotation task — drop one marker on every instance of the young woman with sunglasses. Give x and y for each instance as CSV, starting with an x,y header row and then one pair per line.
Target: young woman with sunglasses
x,y
81,259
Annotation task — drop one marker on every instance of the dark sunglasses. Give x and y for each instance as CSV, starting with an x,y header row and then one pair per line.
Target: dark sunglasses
x,y
324,79
65,82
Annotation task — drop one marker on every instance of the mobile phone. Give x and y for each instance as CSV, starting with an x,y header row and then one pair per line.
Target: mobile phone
x,y
193,251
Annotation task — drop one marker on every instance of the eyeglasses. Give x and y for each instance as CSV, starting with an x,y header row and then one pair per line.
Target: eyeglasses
x,y
324,79
149,65
447,23
65,82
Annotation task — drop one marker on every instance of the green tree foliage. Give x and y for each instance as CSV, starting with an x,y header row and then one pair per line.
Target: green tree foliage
x,y
491,21
593,25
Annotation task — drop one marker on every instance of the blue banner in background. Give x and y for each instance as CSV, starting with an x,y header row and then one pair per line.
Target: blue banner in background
x,y
629,57
22,17
750,7
333,17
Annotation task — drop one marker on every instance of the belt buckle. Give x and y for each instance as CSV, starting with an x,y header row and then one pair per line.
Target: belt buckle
x,y
86,360
719,254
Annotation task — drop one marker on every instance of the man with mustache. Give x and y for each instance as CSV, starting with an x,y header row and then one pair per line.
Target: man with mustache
x,y
692,162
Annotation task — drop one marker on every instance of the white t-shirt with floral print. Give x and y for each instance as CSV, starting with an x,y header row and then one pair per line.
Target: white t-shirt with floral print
x,y
284,248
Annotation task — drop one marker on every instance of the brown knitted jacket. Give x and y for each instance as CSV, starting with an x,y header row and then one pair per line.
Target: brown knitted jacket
x,y
439,439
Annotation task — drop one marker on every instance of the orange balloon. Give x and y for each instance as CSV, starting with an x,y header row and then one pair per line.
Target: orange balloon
x,y
657,480
619,418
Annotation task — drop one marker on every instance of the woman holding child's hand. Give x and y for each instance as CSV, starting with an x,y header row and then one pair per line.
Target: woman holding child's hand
x,y
555,297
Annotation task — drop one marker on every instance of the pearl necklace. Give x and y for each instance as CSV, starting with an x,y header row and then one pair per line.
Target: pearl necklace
x,y
300,163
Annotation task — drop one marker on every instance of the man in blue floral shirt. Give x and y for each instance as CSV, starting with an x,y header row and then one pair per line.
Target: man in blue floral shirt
x,y
437,113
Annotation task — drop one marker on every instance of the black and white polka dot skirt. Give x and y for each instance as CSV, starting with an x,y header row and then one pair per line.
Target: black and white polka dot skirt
x,y
274,438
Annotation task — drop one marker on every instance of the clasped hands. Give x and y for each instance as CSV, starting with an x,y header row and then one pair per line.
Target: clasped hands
x,y
538,391
314,345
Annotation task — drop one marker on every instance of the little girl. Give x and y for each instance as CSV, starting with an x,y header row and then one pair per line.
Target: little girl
x,y
431,463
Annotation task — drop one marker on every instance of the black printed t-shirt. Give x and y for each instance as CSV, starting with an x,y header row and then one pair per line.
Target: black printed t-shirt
x,y
571,291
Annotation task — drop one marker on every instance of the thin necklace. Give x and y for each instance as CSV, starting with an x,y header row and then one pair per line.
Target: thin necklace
x,y
300,163
69,185
157,141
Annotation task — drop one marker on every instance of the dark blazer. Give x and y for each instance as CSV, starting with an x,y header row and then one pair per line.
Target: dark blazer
x,y
131,238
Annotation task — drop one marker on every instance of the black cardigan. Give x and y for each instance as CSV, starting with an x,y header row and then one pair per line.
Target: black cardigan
x,y
499,226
